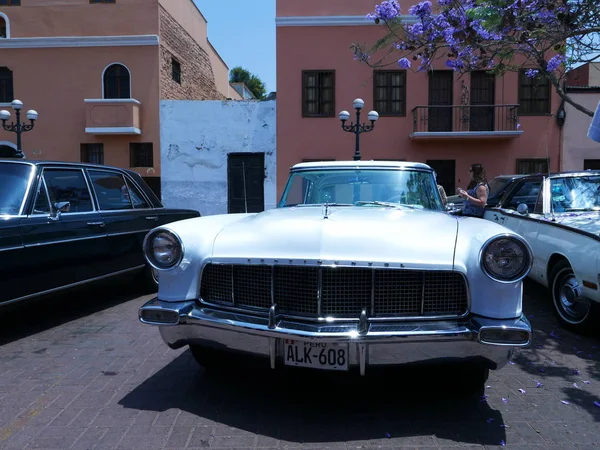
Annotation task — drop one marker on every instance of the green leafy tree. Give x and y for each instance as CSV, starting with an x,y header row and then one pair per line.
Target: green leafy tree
x,y
254,83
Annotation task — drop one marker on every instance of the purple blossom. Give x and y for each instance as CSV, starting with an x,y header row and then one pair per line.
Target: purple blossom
x,y
555,62
404,63
387,10
532,73
421,10
597,403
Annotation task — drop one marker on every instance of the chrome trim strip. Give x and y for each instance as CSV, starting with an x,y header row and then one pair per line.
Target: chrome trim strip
x,y
423,294
123,233
373,312
68,286
262,312
65,241
320,292
324,263
7,249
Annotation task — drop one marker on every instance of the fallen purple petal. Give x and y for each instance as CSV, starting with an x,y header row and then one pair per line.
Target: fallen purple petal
x,y
586,382
488,387
505,400
511,362
553,334
597,403
576,372
388,435
538,384
539,346
576,386
522,391
580,352
484,398
542,370
503,425
502,443
490,420
564,402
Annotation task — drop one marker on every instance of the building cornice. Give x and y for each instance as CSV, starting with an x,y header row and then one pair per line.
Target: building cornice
x,y
332,21
81,41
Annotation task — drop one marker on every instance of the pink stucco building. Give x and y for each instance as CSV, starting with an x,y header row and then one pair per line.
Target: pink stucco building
x,y
96,70
507,123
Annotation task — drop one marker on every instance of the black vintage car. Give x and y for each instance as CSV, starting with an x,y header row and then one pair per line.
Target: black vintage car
x,y
66,224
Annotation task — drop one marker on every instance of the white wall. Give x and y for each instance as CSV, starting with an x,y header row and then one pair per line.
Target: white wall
x,y
197,135
576,145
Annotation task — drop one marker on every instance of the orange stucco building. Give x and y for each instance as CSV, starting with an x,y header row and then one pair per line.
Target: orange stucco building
x,y
507,123
96,70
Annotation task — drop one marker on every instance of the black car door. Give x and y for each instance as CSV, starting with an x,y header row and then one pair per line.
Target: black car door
x,y
128,216
63,234
14,271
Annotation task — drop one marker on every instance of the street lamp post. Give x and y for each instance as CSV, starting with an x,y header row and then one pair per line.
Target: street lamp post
x,y
18,126
358,128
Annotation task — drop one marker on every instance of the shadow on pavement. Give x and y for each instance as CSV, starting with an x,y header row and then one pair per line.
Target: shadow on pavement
x,y
23,319
580,355
310,407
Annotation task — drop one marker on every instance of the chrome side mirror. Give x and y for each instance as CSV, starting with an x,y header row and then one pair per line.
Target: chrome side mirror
x,y
523,209
60,207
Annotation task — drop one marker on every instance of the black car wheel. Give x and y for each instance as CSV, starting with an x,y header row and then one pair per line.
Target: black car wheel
x,y
572,309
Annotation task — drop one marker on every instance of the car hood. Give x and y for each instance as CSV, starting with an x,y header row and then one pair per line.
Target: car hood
x,y
583,221
413,238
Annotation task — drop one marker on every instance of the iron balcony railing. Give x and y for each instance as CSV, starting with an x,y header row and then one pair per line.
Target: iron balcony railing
x,y
465,118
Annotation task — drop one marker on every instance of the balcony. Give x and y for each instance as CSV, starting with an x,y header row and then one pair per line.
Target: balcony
x,y
112,116
466,121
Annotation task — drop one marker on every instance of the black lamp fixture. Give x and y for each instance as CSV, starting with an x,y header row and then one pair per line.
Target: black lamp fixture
x,y
18,126
358,128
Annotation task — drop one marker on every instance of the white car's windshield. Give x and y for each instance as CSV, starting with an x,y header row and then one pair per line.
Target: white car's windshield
x,y
14,178
581,193
414,189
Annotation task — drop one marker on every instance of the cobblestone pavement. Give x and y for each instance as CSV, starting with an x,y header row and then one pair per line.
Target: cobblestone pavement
x,y
80,372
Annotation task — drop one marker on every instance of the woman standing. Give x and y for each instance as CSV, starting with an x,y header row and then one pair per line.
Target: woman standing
x,y
477,192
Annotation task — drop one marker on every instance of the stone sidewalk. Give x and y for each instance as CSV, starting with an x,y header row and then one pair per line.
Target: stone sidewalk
x,y
80,372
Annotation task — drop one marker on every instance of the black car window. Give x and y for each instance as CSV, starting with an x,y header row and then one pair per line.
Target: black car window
x,y
14,178
136,196
111,190
68,185
527,192
41,205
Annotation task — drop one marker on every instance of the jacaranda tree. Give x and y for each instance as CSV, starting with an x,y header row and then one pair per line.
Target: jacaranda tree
x,y
545,36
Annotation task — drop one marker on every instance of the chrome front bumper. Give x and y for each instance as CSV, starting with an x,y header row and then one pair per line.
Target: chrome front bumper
x,y
370,344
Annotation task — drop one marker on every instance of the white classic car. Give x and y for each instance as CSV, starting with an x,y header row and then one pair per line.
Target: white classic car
x,y
358,266
559,216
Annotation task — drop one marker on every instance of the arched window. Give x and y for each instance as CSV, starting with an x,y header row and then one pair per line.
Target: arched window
x,y
117,81
4,26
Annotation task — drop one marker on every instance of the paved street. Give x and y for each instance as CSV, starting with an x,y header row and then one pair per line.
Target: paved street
x,y
81,372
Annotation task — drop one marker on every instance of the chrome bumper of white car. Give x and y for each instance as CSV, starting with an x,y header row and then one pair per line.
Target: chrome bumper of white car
x,y
478,339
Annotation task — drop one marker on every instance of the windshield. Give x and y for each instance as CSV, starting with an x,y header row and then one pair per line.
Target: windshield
x,y
13,184
575,193
363,187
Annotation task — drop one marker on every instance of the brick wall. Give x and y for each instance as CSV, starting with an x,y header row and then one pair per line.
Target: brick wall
x,y
197,78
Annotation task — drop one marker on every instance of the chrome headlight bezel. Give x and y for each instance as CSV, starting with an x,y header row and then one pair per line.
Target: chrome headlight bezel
x,y
149,252
518,276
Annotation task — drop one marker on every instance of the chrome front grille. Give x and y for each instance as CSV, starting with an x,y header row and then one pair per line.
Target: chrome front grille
x,y
340,292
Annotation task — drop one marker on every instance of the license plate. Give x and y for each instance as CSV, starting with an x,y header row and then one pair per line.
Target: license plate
x,y
317,355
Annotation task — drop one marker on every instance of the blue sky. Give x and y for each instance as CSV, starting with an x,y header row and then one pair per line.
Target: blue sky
x,y
243,32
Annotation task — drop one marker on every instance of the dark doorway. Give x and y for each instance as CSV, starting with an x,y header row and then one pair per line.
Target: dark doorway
x,y
445,170
245,182
482,100
591,164
440,95
6,151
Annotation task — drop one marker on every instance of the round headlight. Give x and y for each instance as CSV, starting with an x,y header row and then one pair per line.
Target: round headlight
x,y
506,259
163,249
